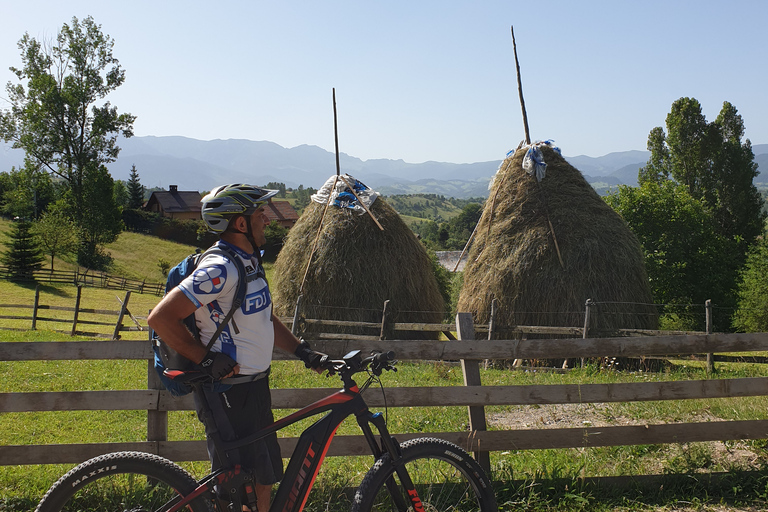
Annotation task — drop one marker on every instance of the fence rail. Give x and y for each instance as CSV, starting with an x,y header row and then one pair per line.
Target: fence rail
x,y
117,323
466,350
86,277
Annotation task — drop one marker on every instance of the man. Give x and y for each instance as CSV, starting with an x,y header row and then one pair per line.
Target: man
x,y
245,345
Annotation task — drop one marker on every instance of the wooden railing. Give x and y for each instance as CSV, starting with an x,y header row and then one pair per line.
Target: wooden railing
x,y
473,395
115,326
86,277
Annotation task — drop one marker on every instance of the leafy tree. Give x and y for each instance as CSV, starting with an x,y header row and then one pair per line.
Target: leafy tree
x,y
280,187
23,256
135,190
60,119
101,223
684,253
713,163
752,312
26,192
55,233
120,193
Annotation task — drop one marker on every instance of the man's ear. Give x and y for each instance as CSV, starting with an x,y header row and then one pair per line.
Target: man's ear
x,y
240,223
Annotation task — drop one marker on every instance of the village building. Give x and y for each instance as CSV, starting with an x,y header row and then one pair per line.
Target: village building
x,y
179,204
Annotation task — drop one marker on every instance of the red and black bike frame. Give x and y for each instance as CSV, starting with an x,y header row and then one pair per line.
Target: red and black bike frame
x,y
308,455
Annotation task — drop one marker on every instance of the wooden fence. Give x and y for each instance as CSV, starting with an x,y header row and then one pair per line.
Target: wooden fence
x,y
473,395
74,319
87,277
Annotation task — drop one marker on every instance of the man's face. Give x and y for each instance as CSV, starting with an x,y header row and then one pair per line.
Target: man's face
x,y
259,221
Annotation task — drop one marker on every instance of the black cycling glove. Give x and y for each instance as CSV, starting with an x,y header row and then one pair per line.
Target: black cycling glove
x,y
217,365
311,358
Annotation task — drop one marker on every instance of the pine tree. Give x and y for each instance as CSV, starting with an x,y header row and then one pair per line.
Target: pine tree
x,y
24,255
135,190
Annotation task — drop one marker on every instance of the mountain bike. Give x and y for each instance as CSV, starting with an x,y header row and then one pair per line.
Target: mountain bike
x,y
422,474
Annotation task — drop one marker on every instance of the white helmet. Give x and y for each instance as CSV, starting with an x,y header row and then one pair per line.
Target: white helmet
x,y
225,202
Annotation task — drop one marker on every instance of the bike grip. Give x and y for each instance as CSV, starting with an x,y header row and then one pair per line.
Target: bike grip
x,y
383,357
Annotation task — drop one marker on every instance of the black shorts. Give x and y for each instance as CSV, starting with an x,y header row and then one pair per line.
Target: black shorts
x,y
240,411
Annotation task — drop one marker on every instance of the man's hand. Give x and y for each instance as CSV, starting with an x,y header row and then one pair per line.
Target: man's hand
x,y
218,365
311,358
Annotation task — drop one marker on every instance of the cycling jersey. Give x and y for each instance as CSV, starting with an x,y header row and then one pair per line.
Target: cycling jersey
x,y
249,336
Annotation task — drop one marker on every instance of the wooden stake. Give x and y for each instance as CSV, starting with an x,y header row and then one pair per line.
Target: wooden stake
x,y
352,189
317,236
520,89
336,133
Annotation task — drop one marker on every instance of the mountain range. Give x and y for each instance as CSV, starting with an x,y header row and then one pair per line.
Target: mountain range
x,y
201,165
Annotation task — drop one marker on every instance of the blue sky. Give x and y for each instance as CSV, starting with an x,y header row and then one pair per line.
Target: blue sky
x,y
419,80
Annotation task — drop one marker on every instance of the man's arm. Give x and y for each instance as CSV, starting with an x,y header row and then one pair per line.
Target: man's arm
x,y
285,340
167,319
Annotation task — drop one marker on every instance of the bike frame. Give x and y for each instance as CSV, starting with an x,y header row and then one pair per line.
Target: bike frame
x,y
308,455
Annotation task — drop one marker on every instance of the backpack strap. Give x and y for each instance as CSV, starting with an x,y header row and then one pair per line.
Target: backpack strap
x,y
239,297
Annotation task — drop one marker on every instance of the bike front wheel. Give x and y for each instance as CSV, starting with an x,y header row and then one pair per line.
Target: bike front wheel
x,y
445,478
122,481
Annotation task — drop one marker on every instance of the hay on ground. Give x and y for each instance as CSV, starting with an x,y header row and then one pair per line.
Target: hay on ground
x,y
355,268
515,261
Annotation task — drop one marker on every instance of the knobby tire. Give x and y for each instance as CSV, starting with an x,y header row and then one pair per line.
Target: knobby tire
x,y
123,481
445,477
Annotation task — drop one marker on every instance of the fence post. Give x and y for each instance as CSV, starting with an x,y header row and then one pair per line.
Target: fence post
x,y
157,420
386,332
296,314
708,319
77,310
123,309
471,370
34,308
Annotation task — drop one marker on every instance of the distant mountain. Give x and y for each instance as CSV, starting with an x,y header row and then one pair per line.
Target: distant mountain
x,y
200,165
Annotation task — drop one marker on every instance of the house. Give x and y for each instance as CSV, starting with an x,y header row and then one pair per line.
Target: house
x,y
282,212
177,204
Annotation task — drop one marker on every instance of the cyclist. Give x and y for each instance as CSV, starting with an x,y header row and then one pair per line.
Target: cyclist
x,y
244,348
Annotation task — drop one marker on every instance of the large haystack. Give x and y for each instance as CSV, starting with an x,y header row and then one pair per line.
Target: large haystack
x,y
517,263
356,267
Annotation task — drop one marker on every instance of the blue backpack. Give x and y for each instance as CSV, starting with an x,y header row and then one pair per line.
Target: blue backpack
x,y
165,356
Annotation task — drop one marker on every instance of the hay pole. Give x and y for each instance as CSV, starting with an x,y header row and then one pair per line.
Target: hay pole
x,y
520,88
338,166
528,142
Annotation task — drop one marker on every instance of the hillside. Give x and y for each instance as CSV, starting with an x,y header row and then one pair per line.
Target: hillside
x,y
200,165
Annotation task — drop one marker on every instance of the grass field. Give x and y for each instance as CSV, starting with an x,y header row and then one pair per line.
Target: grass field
x,y
526,480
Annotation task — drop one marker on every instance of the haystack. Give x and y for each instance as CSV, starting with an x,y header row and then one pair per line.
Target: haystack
x,y
356,267
514,258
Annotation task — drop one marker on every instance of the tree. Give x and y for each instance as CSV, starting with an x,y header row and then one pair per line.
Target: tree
x,y
685,255
23,256
102,222
120,193
25,192
752,312
60,119
55,233
713,163
135,190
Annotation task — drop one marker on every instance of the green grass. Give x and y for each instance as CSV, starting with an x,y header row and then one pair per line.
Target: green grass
x,y
525,480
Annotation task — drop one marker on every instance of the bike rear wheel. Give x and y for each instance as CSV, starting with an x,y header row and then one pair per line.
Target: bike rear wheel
x,y
445,477
122,481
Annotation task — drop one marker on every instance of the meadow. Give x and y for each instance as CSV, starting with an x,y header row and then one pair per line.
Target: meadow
x,y
525,480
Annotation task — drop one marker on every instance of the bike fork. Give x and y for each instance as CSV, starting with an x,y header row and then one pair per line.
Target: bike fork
x,y
390,445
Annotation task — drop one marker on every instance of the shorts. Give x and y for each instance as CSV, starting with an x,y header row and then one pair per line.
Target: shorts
x,y
238,412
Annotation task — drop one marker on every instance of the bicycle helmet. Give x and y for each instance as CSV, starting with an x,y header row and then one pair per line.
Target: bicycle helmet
x,y
227,201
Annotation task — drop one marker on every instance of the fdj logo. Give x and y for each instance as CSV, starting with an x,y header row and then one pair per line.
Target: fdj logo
x,y
257,301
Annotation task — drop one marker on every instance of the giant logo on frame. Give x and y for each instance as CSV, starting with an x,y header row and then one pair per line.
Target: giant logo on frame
x,y
209,280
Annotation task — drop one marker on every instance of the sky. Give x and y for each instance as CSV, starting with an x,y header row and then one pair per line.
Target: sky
x,y
418,80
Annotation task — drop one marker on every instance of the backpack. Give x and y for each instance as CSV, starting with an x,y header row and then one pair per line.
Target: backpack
x,y
167,358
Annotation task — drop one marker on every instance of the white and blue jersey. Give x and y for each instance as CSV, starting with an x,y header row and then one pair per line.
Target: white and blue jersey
x,y
249,336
